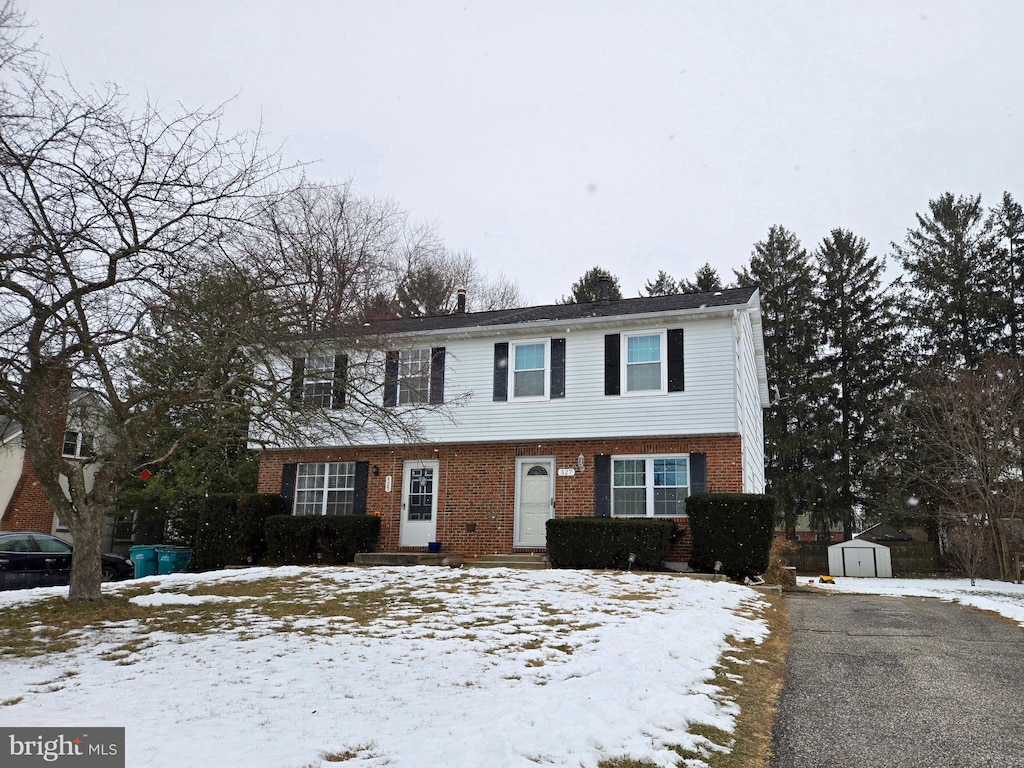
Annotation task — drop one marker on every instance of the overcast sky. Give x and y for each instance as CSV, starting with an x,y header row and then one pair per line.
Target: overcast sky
x,y
549,137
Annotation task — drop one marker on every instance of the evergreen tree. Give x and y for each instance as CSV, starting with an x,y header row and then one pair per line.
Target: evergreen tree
x,y
1007,222
952,301
782,270
588,288
860,365
663,285
707,280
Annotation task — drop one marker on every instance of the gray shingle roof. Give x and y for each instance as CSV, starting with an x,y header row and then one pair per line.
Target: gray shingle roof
x,y
558,312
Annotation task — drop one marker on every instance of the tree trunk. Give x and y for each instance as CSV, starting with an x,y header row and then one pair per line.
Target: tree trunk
x,y
86,525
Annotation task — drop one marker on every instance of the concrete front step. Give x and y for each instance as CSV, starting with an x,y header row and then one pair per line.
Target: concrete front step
x,y
534,562
528,561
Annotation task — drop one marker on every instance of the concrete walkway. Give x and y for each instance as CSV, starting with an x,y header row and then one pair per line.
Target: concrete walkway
x,y
881,682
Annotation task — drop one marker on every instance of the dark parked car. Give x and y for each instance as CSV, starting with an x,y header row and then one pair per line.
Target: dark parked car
x,y
41,560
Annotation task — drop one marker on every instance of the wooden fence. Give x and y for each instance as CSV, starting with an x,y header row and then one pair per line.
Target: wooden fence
x,y
908,558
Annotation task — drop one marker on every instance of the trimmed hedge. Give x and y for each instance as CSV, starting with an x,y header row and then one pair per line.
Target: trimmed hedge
x,y
331,539
601,542
735,529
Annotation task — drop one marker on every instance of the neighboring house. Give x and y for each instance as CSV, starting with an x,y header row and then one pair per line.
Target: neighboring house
x,y
23,504
613,408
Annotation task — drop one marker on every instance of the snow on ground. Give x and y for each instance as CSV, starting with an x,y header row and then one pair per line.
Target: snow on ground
x,y
998,596
459,668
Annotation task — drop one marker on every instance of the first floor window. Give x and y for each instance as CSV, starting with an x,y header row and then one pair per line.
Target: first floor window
x,y
649,486
325,488
77,445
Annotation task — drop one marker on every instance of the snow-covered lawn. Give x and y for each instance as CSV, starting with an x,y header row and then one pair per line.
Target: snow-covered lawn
x,y
394,667
997,596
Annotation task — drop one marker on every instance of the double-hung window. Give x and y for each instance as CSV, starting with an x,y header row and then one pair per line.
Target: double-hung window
x,y
414,376
645,370
77,445
530,370
325,488
319,380
649,486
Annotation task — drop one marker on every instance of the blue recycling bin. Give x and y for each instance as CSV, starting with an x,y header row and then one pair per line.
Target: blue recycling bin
x,y
144,558
172,559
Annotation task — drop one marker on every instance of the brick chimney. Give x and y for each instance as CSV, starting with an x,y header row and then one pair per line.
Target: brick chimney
x,y
460,297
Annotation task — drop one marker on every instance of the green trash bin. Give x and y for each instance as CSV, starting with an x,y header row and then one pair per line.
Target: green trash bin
x,y
172,559
144,558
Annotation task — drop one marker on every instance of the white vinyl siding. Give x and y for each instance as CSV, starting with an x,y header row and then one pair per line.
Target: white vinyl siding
x,y
708,406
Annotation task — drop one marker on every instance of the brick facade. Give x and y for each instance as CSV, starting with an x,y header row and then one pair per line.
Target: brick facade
x,y
476,482
28,509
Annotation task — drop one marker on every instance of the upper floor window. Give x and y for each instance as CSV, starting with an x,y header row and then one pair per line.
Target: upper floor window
x,y
529,370
644,369
644,363
414,376
319,380
649,486
323,488
77,445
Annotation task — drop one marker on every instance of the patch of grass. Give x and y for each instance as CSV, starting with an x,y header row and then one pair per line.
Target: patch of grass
x,y
53,626
11,702
347,754
750,677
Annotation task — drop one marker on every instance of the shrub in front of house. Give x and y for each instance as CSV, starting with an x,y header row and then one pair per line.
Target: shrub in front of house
x,y
603,542
224,528
735,529
310,539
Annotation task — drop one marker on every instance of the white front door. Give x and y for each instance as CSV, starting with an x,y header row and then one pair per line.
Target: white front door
x,y
535,500
419,504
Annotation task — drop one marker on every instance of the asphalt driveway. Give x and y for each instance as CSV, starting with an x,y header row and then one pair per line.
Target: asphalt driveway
x,y
880,682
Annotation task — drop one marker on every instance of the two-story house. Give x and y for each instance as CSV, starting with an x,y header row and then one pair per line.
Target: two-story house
x,y
613,408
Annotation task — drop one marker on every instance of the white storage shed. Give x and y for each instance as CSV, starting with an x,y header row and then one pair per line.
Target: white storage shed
x,y
859,558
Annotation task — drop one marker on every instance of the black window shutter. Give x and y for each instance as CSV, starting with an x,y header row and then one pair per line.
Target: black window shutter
x,y
501,371
612,351
698,473
298,373
288,486
340,383
390,379
602,486
362,482
675,360
437,375
558,368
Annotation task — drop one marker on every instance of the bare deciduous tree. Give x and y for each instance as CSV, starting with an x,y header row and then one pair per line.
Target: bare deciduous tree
x,y
968,430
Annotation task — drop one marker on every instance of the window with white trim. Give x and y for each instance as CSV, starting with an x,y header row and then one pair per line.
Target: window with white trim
x,y
77,445
414,376
644,371
325,488
650,486
318,380
529,370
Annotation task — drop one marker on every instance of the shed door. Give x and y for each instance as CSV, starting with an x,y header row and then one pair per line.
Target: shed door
x,y
860,561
